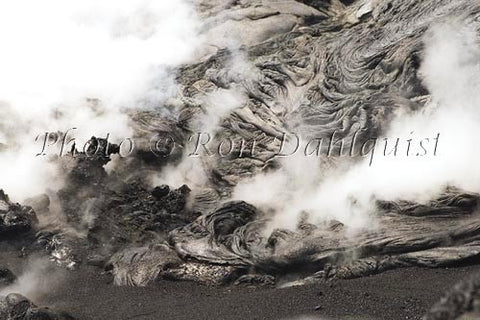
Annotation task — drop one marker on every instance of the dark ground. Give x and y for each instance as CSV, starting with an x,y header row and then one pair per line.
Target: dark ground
x,y
399,294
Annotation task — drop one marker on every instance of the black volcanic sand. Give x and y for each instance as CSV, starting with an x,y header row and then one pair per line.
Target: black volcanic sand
x,y
399,294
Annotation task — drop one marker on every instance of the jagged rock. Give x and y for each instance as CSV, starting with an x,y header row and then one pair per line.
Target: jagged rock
x,y
161,191
15,218
59,246
17,307
115,213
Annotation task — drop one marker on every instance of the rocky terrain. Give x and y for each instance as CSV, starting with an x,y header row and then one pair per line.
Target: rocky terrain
x,y
315,68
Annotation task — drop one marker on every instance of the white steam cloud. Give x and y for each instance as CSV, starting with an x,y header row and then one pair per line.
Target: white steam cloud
x,y
218,105
450,71
68,64
38,278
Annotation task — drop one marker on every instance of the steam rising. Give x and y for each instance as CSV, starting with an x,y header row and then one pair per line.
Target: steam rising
x,y
87,64
219,104
81,64
450,71
38,278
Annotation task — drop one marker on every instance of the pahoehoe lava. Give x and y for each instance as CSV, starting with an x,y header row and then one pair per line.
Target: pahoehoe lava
x,y
354,64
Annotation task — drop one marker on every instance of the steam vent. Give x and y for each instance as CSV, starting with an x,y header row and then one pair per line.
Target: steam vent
x,y
240,159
